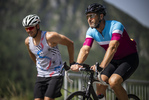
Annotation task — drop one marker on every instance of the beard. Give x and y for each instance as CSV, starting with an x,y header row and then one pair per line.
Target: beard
x,y
94,24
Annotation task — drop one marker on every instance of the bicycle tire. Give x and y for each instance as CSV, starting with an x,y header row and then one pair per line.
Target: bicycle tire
x,y
132,97
78,95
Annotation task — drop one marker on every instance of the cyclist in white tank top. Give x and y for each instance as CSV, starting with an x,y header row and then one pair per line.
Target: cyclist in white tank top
x,y
43,49
48,59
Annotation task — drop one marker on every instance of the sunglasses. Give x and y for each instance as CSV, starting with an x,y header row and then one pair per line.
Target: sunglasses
x,y
90,16
29,28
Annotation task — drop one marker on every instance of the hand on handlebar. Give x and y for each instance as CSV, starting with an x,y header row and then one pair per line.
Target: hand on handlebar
x,y
96,67
93,67
75,67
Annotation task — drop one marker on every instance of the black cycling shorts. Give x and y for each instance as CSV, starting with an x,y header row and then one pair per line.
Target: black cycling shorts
x,y
124,67
48,87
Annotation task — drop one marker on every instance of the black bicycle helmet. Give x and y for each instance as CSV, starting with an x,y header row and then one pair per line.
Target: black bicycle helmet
x,y
95,8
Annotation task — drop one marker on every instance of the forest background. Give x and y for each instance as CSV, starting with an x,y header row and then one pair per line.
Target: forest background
x,y
67,17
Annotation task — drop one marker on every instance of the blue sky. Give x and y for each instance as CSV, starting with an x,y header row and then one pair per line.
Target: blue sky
x,y
138,9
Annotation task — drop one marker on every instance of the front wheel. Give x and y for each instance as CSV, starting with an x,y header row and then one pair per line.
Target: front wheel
x,y
78,95
132,97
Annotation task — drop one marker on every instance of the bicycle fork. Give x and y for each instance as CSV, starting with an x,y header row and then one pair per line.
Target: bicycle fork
x,y
90,90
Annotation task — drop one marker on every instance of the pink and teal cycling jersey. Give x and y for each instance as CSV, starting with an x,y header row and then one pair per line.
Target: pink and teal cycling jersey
x,y
113,30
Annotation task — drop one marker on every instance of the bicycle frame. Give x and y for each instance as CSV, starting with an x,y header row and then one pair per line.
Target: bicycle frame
x,y
90,89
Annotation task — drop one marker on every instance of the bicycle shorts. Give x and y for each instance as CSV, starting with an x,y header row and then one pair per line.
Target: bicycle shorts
x,y
124,67
48,87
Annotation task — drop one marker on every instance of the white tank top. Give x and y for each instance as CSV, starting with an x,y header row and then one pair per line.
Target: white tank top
x,y
48,59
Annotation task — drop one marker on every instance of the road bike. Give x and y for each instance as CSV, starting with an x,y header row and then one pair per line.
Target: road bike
x,y
89,92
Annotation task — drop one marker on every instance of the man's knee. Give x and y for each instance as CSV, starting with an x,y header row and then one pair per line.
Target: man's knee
x,y
115,81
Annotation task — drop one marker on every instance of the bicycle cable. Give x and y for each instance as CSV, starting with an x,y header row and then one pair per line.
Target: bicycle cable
x,y
66,90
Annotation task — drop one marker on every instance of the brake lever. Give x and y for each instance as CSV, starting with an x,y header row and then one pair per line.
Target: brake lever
x,y
100,79
67,68
96,71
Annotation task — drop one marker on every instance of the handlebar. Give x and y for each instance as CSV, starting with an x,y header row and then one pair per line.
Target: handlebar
x,y
67,68
87,68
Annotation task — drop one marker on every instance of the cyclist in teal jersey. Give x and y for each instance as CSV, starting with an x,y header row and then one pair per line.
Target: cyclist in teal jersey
x,y
121,57
43,49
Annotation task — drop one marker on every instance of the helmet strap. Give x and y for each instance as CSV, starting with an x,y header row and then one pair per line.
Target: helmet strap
x,y
98,24
36,32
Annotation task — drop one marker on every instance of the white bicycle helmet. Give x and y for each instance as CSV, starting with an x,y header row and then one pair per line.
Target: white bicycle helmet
x,y
31,20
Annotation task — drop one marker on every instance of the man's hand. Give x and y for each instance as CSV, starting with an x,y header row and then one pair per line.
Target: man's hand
x,y
75,67
93,67
98,68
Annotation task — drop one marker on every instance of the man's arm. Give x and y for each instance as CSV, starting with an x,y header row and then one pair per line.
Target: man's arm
x,y
84,51
30,53
55,38
113,45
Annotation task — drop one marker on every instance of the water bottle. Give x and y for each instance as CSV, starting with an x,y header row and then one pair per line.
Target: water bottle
x,y
101,97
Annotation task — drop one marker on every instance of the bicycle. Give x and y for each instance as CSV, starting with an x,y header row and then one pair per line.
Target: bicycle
x,y
89,93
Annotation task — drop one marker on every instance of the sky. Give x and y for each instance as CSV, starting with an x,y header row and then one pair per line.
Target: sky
x,y
138,9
